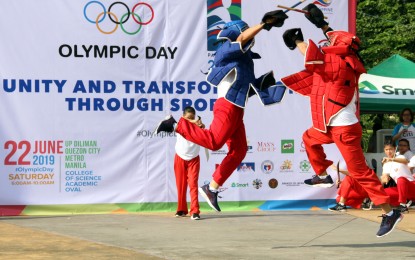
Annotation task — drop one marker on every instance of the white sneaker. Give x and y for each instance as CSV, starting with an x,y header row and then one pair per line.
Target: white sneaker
x,y
195,216
367,204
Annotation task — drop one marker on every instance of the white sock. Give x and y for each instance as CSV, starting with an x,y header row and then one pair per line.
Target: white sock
x,y
403,204
213,189
322,177
389,213
340,203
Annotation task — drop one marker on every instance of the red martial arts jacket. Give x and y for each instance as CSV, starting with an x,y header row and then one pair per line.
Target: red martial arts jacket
x,y
330,80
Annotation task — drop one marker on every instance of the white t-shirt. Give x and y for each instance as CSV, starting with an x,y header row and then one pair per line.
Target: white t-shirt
x,y
396,170
186,149
346,116
412,164
408,155
226,83
409,135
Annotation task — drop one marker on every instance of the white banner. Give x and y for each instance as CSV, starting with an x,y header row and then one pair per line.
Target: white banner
x,y
81,93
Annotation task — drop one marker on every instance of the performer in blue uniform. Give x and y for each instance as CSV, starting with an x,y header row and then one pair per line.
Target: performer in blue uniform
x,y
233,75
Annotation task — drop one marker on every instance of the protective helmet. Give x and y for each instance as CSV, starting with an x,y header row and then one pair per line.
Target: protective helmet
x,y
338,38
232,30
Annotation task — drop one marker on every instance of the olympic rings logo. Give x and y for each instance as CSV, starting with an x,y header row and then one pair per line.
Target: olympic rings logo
x,y
115,20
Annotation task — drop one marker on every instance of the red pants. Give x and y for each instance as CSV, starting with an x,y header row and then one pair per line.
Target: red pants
x,y
187,172
227,127
352,191
405,190
347,140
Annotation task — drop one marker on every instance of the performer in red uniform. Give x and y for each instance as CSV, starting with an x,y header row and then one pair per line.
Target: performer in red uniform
x,y
350,193
330,80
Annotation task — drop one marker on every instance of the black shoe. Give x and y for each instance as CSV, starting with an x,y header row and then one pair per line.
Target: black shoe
x,y
167,125
195,216
338,208
389,223
403,209
210,196
318,182
180,214
367,204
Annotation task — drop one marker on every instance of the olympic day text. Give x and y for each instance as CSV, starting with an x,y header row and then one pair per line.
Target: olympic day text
x,y
129,95
112,51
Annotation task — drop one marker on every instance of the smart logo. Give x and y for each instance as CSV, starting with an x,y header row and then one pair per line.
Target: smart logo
x,y
220,12
365,87
95,12
239,185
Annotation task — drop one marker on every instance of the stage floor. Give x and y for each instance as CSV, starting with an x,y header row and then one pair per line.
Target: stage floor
x,y
318,234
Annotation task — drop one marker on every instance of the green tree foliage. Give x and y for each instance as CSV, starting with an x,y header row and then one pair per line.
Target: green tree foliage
x,y
373,122
386,27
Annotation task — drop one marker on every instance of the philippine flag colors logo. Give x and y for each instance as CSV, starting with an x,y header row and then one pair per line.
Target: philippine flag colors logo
x,y
220,12
324,3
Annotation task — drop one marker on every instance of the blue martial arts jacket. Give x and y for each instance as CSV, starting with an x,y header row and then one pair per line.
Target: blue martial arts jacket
x,y
233,59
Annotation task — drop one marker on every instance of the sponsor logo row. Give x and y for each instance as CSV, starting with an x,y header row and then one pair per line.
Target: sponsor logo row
x,y
269,167
257,184
285,146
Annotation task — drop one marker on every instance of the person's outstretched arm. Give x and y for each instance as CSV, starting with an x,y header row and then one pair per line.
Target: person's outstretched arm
x,y
302,46
249,34
270,19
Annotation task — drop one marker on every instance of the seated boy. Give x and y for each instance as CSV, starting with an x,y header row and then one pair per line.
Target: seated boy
x,y
396,167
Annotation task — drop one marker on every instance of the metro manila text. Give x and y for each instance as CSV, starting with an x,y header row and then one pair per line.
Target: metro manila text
x,y
130,95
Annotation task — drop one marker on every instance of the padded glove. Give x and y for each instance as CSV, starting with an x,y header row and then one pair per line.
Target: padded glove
x,y
274,19
315,15
291,35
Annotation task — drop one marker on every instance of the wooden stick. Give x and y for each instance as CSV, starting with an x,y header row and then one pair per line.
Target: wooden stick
x,y
297,4
296,10
338,174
